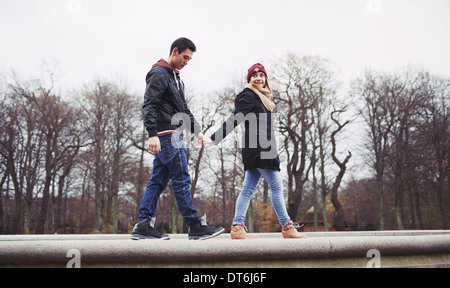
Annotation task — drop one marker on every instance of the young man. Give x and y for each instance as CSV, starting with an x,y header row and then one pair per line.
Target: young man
x,y
165,116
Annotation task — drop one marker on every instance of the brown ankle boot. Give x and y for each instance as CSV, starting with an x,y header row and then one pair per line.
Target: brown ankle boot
x,y
289,231
238,232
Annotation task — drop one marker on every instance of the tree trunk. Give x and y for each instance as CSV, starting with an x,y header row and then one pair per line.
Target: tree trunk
x,y
380,204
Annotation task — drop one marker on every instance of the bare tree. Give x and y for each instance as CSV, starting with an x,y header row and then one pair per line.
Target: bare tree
x,y
112,118
10,151
97,105
301,83
125,117
397,110
407,91
58,122
434,138
339,215
375,111
38,141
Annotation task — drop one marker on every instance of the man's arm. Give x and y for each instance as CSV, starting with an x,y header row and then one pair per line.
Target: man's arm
x,y
195,127
156,86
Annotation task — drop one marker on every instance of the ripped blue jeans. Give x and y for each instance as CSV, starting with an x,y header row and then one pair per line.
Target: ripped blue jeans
x,y
251,180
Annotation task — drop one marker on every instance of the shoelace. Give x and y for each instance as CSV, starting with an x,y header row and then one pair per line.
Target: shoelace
x,y
243,226
296,225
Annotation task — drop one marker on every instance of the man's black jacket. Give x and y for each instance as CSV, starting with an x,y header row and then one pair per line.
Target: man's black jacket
x,y
165,106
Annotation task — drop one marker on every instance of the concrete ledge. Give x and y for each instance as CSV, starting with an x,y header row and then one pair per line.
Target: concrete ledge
x,y
320,249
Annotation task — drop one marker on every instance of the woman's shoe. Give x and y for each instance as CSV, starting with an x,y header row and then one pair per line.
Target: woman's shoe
x,y
290,231
238,232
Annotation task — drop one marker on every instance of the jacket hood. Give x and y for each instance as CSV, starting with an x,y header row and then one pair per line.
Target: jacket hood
x,y
165,64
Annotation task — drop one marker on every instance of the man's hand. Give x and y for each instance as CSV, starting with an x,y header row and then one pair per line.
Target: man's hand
x,y
154,145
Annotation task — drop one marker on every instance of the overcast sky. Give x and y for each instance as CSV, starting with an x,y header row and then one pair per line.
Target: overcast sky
x,y
118,37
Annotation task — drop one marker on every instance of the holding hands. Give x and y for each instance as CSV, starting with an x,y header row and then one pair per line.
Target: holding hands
x,y
204,141
154,144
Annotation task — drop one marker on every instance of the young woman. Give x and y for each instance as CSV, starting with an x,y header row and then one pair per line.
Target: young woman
x,y
254,105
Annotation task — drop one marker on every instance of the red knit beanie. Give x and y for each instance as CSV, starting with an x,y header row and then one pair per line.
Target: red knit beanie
x,y
255,68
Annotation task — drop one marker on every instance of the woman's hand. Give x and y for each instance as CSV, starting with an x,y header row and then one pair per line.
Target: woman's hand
x,y
209,143
204,141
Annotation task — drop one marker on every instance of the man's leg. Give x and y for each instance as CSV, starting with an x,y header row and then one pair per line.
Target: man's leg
x,y
181,181
156,185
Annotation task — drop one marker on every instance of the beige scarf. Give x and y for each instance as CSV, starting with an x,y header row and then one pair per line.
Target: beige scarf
x,y
265,94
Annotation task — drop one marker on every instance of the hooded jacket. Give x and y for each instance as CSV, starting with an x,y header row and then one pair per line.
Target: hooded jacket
x,y
259,148
165,109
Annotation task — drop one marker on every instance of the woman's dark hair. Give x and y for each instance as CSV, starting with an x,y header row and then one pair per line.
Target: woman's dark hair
x,y
183,44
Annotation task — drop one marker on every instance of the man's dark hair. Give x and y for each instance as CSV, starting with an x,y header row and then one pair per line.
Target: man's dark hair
x,y
183,44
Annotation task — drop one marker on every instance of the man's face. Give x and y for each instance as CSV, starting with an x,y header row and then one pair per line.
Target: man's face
x,y
181,59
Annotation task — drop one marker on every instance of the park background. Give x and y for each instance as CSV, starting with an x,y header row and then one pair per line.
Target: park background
x,y
362,93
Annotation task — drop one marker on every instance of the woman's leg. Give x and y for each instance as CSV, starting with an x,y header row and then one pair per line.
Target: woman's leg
x,y
251,180
273,177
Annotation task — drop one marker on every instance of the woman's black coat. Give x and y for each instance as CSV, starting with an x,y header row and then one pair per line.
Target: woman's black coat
x,y
259,149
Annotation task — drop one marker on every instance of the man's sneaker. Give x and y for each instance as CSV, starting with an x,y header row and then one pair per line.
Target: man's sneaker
x,y
197,231
143,230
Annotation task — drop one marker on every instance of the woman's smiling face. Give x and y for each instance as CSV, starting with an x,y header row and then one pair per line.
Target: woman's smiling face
x,y
258,78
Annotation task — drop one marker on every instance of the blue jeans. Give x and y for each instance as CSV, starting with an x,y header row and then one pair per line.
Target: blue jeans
x,y
170,164
251,180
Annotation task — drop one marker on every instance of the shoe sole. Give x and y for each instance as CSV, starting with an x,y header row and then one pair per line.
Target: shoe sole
x,y
138,237
205,237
